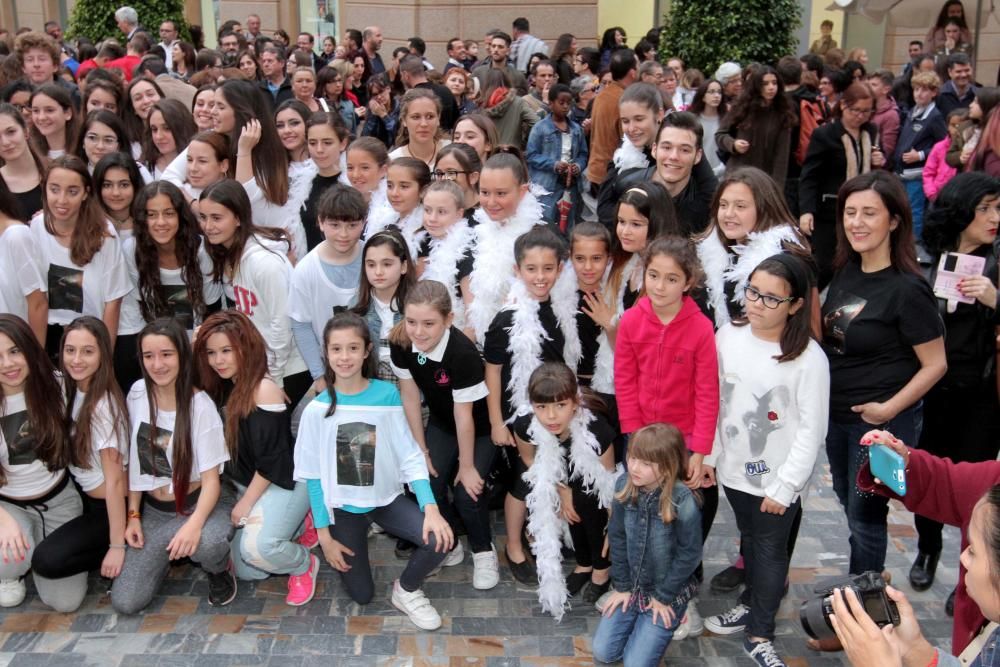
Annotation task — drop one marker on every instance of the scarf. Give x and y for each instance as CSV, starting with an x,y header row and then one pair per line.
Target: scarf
x,y
852,155
604,366
442,264
544,520
627,156
493,261
527,333
721,267
498,96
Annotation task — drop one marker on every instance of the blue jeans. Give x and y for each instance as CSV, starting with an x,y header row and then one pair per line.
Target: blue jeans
x,y
866,512
265,545
632,637
915,193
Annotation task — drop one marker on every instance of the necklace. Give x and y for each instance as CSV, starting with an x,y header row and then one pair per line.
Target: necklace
x,y
421,358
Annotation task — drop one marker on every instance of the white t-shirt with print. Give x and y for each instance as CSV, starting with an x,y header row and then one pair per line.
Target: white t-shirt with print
x,y
102,436
19,270
27,475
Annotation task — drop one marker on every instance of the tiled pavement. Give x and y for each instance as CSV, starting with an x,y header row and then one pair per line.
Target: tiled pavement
x,y
502,627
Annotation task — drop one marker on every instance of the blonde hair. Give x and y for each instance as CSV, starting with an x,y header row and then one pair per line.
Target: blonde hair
x,y
662,446
425,293
928,80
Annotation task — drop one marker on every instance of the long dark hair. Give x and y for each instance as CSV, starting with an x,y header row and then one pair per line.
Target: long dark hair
x,y
889,188
103,386
750,104
184,390
943,18
117,160
11,111
698,102
42,396
270,159
134,124
955,208
395,241
231,194
90,229
59,95
178,120
653,202
339,322
797,332
187,244
250,351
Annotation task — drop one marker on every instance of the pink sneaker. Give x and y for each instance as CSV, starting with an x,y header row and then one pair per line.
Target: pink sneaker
x,y
309,537
302,587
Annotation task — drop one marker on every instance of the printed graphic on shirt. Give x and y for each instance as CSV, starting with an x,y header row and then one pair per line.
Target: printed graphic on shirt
x,y
152,447
177,300
20,442
356,454
754,426
65,288
442,379
246,300
757,469
839,312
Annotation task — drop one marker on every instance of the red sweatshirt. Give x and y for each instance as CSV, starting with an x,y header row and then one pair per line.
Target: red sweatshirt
x,y
668,373
945,492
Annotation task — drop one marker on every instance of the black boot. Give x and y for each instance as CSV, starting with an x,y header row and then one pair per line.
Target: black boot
x,y
922,572
949,606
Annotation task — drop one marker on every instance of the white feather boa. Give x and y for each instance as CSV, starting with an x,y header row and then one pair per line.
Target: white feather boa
x,y
442,264
300,182
721,267
411,229
604,366
544,520
627,156
380,211
493,263
526,334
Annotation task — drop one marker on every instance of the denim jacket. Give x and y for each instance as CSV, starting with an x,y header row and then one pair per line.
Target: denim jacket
x,y
648,556
543,151
988,657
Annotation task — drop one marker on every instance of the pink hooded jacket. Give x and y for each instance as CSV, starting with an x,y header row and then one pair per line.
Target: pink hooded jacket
x,y
936,170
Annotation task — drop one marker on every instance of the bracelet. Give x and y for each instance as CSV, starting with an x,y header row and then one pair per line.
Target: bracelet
x,y
241,155
134,514
118,546
934,660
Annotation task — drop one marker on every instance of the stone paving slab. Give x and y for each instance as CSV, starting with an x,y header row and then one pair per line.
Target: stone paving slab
x,y
503,627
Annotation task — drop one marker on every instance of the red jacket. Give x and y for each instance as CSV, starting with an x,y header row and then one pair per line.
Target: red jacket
x,y
668,373
886,119
945,492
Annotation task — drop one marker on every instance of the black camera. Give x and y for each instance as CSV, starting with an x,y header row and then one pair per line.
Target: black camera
x,y
869,587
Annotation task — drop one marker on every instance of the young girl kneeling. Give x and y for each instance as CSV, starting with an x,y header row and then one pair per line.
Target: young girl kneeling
x,y
655,540
355,451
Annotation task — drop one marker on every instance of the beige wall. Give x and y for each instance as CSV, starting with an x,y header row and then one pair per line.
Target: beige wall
x,y
437,21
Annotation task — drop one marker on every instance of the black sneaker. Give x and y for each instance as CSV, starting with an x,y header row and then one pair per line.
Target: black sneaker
x,y
524,572
728,580
593,592
763,653
221,587
730,622
404,549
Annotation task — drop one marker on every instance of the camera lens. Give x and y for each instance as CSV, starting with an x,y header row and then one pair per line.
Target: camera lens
x,y
815,617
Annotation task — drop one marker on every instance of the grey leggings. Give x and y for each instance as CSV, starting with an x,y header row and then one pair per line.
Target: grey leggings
x,y
402,518
146,568
37,522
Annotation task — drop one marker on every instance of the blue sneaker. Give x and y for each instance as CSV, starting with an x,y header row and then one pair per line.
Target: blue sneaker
x,y
763,653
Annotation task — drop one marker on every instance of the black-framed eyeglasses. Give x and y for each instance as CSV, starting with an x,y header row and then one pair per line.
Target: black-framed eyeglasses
x,y
447,174
769,300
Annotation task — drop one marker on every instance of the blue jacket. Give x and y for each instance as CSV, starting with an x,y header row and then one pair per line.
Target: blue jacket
x,y
543,151
920,134
654,558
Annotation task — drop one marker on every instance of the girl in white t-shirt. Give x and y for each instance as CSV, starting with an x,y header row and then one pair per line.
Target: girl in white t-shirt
x,y
78,251
252,263
355,452
176,453
169,271
775,387
118,181
98,450
387,278
35,495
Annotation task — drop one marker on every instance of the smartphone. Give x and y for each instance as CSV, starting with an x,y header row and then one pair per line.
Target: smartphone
x,y
888,467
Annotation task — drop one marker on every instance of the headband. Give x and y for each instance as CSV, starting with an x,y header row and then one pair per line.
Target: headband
x,y
797,268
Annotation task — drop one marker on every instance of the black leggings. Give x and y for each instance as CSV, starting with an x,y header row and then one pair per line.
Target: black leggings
x,y
588,533
79,545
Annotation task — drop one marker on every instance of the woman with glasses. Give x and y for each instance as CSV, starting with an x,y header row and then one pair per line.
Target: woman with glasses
x,y
332,92
103,133
838,151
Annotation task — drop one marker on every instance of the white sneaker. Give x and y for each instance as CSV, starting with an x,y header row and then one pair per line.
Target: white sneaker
x,y
454,557
416,606
691,625
485,570
375,529
12,592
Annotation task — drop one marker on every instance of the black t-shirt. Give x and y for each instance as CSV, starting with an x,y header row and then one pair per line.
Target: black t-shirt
x,y
970,341
314,236
29,201
871,322
460,367
265,447
498,338
600,427
589,331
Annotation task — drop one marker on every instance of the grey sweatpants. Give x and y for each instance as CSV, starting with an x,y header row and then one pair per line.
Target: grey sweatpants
x,y
146,568
37,523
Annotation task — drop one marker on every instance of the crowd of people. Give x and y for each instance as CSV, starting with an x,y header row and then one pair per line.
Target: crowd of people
x,y
259,299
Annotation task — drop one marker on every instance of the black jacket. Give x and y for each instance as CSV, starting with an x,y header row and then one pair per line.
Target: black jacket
x,y
693,204
284,92
825,167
